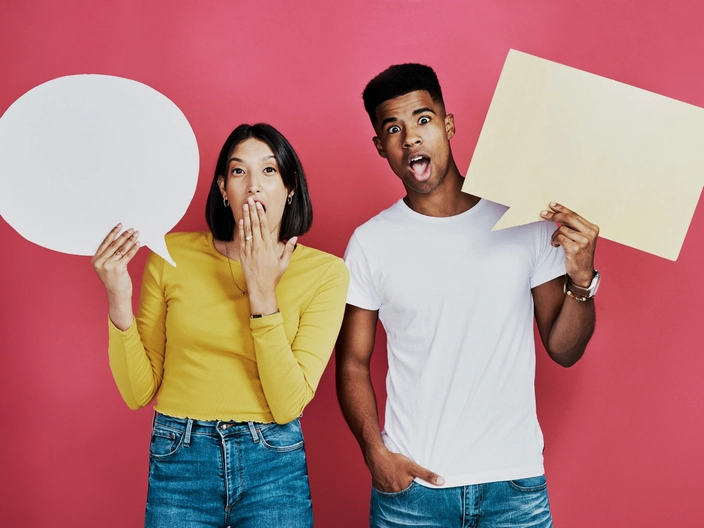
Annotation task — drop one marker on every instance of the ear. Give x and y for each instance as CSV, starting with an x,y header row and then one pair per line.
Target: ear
x,y
379,147
221,186
450,125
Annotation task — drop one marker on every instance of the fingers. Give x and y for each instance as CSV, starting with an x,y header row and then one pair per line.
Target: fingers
x,y
108,239
262,221
563,215
115,248
578,238
247,227
427,475
288,251
255,225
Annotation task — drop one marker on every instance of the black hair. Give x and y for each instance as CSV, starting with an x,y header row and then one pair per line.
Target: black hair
x,y
398,80
298,215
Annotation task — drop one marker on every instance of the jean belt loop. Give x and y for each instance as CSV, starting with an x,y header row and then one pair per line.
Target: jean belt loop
x,y
187,438
253,432
154,417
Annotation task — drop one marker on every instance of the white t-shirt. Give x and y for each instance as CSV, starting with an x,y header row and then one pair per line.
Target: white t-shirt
x,y
455,300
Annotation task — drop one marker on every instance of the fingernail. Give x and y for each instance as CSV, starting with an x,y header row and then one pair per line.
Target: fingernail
x,y
130,230
544,213
553,204
439,481
135,234
259,205
246,207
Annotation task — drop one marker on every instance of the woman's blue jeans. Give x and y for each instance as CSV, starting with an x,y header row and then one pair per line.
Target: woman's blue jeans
x,y
222,474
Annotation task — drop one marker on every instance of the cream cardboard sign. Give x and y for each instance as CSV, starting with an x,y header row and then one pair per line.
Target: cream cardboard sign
x,y
626,159
79,154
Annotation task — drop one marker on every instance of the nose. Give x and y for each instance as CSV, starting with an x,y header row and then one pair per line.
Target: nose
x,y
411,138
253,185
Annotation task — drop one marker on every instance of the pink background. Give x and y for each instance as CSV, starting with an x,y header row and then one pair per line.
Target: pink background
x,y
623,428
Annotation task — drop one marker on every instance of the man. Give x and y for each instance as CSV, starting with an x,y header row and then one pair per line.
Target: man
x,y
461,444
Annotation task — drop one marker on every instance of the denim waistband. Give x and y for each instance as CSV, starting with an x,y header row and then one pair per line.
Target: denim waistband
x,y
192,427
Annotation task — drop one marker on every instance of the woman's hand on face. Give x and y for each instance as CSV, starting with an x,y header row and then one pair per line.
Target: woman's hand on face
x,y
262,262
111,259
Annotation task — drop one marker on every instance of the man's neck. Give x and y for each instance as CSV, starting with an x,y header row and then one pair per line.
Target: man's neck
x,y
446,200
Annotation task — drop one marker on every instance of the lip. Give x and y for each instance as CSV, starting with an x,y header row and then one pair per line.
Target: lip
x,y
425,175
415,155
258,201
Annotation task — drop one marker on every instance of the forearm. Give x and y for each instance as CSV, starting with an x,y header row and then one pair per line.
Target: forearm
x,y
571,331
131,368
357,399
120,310
284,383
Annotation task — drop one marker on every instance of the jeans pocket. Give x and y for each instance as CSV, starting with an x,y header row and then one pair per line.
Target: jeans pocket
x,y
281,438
394,494
164,442
529,484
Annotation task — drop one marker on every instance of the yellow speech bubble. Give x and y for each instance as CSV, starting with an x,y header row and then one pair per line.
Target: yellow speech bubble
x,y
79,154
626,159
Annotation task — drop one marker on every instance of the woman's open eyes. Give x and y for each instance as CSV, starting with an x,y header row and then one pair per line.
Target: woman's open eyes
x,y
237,170
270,170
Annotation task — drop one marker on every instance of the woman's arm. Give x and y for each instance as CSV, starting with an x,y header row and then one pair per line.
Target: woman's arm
x,y
136,349
290,374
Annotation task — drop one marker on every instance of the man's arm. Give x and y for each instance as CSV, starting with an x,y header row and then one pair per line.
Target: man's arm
x,y
566,325
391,472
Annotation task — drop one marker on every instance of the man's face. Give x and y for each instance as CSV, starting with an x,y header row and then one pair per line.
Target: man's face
x,y
413,134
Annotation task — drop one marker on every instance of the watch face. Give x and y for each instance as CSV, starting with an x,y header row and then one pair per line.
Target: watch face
x,y
594,286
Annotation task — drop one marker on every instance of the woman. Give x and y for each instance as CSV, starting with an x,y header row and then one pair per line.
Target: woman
x,y
233,339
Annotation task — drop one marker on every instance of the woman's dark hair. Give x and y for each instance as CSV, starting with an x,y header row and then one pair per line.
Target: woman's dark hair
x,y
298,215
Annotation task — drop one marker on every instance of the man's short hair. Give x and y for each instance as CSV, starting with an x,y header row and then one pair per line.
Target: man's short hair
x,y
398,80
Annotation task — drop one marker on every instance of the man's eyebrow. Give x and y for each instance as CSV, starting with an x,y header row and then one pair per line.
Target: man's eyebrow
x,y
417,111
388,120
423,110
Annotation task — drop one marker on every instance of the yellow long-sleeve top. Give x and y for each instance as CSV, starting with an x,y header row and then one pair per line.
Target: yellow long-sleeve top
x,y
194,343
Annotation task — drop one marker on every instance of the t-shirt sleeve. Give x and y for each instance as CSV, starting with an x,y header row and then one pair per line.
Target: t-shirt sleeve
x,y
362,291
550,261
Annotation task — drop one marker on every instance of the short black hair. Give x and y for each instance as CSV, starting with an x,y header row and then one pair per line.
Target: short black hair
x,y
298,215
398,80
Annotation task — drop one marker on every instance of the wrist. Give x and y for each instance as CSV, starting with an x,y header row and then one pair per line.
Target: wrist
x,y
262,303
582,293
580,281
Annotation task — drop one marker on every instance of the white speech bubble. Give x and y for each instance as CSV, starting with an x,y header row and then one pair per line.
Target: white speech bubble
x,y
79,154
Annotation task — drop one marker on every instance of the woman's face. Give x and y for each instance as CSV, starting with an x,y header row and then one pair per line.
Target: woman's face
x,y
252,172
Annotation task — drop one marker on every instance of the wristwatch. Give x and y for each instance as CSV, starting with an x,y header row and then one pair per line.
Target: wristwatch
x,y
586,293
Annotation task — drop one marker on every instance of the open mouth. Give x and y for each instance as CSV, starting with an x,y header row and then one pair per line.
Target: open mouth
x,y
419,165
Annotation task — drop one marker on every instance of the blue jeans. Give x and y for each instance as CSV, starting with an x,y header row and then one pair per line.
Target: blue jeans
x,y
221,474
510,504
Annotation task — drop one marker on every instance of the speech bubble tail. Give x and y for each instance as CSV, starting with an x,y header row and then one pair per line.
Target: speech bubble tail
x,y
515,216
158,246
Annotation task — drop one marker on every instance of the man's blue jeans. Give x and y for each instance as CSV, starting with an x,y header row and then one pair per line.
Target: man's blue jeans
x,y
220,474
510,504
